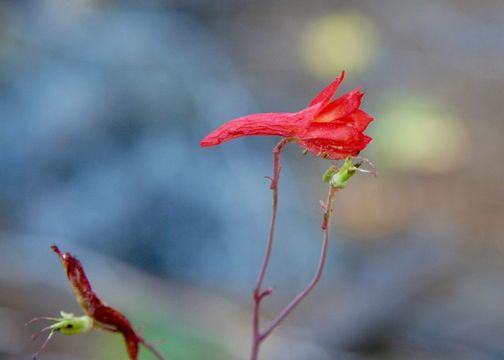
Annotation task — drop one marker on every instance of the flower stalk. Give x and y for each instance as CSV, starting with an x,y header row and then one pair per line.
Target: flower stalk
x,y
337,180
259,293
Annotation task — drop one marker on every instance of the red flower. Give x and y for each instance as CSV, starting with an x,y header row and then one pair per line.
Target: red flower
x,y
333,129
102,315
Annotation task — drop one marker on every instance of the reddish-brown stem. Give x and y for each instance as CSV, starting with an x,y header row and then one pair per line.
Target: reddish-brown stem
x,y
320,267
259,294
259,336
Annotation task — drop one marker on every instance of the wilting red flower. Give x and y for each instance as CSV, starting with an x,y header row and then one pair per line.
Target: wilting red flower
x,y
332,129
102,316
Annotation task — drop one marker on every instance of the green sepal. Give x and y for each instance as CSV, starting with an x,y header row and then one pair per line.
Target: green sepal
x,y
340,178
333,169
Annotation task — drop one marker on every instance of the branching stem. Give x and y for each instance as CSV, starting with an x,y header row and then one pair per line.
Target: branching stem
x,y
320,268
259,293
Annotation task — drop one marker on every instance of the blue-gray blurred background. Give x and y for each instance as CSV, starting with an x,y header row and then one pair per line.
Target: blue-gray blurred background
x,y
102,107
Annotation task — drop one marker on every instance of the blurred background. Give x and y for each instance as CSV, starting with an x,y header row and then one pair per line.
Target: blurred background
x,y
102,107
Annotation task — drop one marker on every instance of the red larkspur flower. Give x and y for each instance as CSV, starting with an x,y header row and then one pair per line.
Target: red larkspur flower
x,y
332,129
104,316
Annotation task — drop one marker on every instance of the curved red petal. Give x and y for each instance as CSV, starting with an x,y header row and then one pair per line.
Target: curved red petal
x,y
366,140
275,124
328,92
341,107
359,119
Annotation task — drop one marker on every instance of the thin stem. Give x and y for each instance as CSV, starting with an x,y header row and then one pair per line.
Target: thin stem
x,y
259,294
153,350
323,256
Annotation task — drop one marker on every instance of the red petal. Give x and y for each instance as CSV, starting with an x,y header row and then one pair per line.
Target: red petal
x,y
335,140
360,119
341,107
275,124
366,140
337,132
326,94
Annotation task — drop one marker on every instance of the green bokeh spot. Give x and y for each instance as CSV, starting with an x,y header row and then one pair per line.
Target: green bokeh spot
x,y
339,41
415,133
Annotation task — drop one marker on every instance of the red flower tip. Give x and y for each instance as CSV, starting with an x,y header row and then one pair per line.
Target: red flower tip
x,y
56,249
331,129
